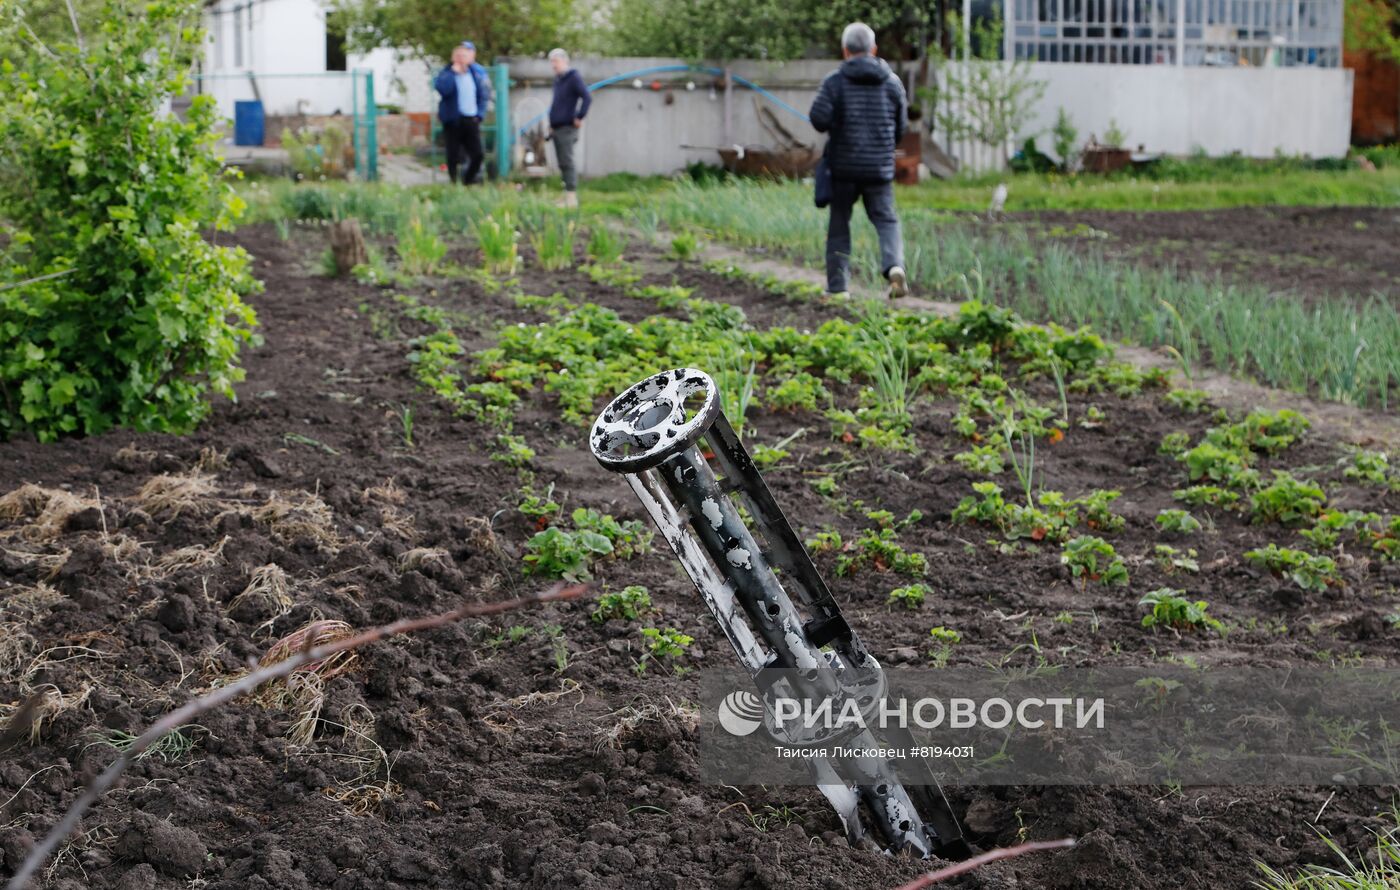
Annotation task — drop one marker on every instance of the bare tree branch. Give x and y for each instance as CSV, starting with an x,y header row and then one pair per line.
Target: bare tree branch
x,y
77,32
190,710
27,281
962,868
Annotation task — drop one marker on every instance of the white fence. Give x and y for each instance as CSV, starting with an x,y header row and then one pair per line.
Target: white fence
x,y
1165,108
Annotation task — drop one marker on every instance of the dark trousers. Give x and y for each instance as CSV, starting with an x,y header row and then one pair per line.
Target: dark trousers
x,y
463,140
878,199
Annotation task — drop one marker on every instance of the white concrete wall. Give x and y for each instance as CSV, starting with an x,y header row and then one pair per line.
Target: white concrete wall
x,y
1255,111
635,130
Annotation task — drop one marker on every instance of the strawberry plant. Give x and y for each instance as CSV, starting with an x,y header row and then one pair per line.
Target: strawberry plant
x,y
1174,444
1171,609
1169,559
1207,496
557,553
801,390
663,647
1178,522
984,460
945,639
1211,461
111,201
1097,515
1093,559
1307,571
629,538
1191,401
1371,467
1286,500
1326,532
1387,543
910,596
626,604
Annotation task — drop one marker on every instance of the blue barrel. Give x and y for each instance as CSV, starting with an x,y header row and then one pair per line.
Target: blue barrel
x,y
248,122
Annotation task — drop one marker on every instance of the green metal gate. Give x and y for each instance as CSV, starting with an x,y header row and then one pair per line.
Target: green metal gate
x,y
496,133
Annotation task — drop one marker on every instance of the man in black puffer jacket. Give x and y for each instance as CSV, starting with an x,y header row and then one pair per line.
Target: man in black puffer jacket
x,y
862,107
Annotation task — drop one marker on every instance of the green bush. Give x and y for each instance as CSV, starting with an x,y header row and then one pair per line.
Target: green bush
x,y
102,189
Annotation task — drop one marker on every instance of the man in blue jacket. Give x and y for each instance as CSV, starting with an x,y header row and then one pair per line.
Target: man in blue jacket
x,y
466,99
862,107
566,114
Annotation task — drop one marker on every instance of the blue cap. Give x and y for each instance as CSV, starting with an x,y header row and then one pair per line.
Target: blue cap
x,y
468,44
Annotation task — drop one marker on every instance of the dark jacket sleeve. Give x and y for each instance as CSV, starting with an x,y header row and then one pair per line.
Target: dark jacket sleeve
x,y
823,113
445,83
585,97
901,108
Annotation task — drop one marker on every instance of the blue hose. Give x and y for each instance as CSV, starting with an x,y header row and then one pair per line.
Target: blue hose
x,y
665,69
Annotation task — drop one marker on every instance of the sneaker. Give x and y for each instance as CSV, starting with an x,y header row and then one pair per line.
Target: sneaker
x,y
837,295
899,284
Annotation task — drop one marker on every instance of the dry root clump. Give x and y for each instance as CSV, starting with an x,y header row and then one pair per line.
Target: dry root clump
x,y
298,516
420,558
675,719
170,495
303,691
50,508
195,556
27,500
28,601
271,587
502,715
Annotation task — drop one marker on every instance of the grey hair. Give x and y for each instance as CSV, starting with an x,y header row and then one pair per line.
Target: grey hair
x,y
858,39
559,53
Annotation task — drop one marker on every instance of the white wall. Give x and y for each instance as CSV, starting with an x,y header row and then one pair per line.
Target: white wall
x,y
635,130
284,45
1255,111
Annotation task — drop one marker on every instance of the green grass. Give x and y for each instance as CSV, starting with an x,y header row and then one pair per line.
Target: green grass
x,y
1033,191
1344,350
1355,872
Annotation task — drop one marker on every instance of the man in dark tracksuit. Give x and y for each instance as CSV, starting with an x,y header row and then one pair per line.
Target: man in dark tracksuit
x,y
466,98
862,107
566,114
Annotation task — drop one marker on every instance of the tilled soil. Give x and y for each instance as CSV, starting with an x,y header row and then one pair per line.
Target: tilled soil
x,y
1310,252
526,751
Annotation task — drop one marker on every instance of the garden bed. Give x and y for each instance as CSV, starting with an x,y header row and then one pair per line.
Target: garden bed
x,y
1314,253
530,751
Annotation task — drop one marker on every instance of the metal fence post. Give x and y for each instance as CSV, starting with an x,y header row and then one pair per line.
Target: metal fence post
x,y
372,132
504,132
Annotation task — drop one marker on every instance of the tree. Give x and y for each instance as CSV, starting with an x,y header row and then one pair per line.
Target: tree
x,y
984,98
1374,26
430,28
107,199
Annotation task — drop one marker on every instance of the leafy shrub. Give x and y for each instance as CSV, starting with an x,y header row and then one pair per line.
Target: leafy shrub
x,y
1171,609
317,152
1093,559
102,189
626,604
1307,571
